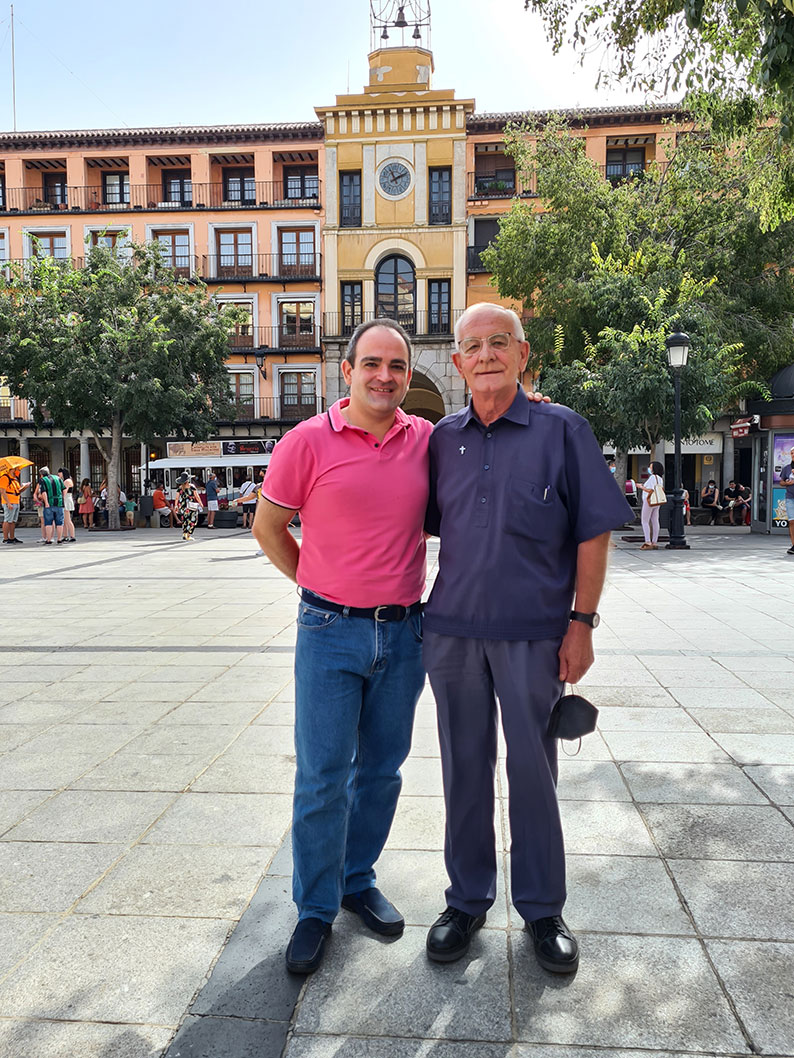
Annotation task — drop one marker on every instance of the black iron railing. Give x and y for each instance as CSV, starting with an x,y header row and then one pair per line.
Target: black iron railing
x,y
282,339
499,185
280,410
425,323
241,266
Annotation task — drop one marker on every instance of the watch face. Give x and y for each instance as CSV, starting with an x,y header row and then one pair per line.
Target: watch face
x,y
394,179
596,620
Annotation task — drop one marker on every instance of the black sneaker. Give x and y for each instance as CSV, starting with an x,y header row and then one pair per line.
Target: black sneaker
x,y
790,550
451,933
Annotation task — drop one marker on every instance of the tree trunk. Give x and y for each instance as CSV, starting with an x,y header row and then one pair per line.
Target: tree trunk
x,y
621,468
113,473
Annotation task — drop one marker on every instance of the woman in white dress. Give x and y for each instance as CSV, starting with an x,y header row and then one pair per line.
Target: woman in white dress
x,y
68,504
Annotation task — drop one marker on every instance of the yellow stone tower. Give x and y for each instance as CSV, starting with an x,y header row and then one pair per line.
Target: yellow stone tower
x,y
394,240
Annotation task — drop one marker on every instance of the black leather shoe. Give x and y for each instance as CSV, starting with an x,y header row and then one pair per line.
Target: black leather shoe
x,y
307,945
556,948
375,911
450,935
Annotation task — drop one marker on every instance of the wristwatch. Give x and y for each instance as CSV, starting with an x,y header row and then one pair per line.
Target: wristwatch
x,y
591,619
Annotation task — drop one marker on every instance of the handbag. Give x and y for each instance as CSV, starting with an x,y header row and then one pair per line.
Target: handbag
x,y
192,505
572,717
658,497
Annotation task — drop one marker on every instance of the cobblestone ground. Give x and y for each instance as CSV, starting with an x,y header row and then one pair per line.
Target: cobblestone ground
x,y
145,776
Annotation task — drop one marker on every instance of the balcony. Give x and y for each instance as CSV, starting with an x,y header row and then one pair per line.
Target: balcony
x,y
504,184
418,324
257,409
284,267
14,409
473,259
263,194
350,216
619,172
279,339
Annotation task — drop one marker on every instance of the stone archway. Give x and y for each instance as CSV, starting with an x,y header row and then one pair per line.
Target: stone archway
x,y
424,399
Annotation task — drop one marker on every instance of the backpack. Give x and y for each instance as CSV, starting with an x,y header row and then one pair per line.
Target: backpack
x,y
54,486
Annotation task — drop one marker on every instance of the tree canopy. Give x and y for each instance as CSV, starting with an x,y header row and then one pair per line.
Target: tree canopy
x,y
693,44
118,347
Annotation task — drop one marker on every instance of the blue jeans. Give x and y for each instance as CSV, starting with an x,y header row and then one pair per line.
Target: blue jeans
x,y
357,682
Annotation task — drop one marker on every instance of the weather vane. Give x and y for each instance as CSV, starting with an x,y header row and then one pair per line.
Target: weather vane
x,y
390,19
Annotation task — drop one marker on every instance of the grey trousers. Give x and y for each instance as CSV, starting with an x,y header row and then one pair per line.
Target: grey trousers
x,y
466,676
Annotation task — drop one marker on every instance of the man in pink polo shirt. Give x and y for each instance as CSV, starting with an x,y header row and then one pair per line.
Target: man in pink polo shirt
x,y
358,474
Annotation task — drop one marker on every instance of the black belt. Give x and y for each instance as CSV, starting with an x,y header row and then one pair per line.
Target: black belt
x,y
377,613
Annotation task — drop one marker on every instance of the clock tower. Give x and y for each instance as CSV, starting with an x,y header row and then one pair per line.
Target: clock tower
x,y
394,238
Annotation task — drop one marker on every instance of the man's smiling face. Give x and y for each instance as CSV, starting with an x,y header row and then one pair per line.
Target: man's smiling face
x,y
380,376
490,372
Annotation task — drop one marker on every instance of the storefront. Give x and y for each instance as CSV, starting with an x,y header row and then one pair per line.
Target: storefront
x,y
772,440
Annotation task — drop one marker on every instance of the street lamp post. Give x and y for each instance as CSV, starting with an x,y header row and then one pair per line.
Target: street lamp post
x,y
677,353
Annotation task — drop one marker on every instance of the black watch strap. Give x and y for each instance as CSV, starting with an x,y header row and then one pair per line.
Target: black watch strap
x,y
592,619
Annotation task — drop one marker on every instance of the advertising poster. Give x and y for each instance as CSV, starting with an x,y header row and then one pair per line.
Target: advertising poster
x,y
781,457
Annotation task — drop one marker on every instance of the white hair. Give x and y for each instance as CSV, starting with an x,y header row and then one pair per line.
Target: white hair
x,y
515,322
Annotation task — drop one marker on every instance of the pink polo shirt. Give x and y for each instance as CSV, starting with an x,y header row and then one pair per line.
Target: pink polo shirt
x,y
362,505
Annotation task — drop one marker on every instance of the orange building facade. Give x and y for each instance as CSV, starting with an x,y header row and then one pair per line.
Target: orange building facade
x,y
382,206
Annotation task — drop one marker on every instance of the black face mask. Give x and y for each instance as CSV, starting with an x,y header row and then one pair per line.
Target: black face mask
x,y
572,717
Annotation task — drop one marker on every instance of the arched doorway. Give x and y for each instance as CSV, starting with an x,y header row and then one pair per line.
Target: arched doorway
x,y
395,291
424,399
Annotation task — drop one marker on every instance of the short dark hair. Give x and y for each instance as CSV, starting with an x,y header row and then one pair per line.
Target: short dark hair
x,y
657,468
381,321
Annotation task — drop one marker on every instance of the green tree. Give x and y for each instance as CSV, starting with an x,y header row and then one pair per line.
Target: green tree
x,y
118,347
693,215
721,45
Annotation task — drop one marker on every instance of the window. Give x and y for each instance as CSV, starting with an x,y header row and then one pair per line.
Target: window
x,y
438,300
395,291
440,211
55,189
495,176
109,239
350,199
296,325
241,384
243,333
116,189
625,162
298,394
351,307
177,187
234,253
50,244
175,250
2,192
239,186
486,230
301,182
296,246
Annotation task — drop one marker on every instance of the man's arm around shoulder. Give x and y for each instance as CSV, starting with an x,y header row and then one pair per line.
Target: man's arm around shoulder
x,y
271,532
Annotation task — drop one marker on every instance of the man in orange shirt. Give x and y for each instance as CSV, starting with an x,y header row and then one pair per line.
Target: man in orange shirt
x,y
161,507
10,491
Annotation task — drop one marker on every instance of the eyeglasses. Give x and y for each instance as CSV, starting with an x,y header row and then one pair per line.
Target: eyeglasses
x,y
498,342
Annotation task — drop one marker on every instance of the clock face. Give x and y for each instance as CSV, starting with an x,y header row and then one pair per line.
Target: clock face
x,y
394,179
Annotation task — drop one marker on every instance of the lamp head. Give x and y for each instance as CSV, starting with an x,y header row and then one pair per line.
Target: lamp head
x,y
677,349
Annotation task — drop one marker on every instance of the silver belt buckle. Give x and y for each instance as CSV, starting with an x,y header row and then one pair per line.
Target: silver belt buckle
x,y
381,620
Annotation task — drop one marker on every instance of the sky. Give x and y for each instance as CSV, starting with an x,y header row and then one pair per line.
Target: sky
x,y
151,63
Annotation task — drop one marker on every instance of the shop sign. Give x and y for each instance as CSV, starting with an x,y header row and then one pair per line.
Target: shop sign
x,y
193,449
249,447
743,427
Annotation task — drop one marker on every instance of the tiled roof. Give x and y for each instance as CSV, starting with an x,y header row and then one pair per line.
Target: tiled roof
x,y
180,133
599,115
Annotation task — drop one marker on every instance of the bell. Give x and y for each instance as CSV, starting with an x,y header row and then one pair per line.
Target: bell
x,y
384,35
416,34
400,21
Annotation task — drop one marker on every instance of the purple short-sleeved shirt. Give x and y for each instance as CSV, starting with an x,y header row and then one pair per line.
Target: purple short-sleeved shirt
x,y
511,502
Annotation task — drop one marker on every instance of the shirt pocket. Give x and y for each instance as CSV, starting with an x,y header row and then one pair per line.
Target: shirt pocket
x,y
534,511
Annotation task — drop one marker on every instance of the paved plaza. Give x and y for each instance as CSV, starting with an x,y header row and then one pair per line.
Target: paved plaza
x,y
146,766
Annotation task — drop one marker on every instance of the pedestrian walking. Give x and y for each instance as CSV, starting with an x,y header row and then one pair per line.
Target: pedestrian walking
x,y
524,504
247,500
188,505
649,515
68,505
86,505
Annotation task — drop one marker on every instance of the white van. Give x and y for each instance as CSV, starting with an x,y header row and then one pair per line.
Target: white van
x,y
232,471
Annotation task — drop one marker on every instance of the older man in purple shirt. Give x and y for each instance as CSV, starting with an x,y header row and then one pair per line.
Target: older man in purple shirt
x,y
524,503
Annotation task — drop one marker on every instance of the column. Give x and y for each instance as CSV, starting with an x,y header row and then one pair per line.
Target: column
x,y
85,459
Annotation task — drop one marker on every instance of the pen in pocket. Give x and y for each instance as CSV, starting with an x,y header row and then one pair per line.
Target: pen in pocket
x,y
546,492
